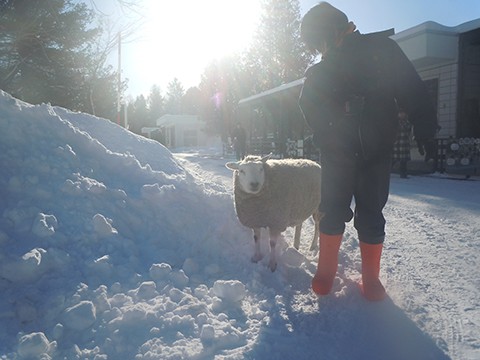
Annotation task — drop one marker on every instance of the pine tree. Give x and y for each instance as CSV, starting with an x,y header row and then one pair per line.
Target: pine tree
x,y
47,54
277,55
192,101
175,93
156,105
138,114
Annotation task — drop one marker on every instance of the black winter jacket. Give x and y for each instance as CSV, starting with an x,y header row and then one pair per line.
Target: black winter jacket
x,y
351,98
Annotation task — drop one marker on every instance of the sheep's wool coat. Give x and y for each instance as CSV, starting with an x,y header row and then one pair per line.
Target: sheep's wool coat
x,y
290,195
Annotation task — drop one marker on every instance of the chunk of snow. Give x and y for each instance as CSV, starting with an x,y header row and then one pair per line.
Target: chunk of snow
x,y
292,257
160,271
207,334
155,192
179,279
229,290
147,290
201,291
33,345
102,226
80,316
212,269
190,267
101,266
26,269
44,225
58,331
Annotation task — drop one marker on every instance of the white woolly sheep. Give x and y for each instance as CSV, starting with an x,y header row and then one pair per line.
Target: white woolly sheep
x,y
276,194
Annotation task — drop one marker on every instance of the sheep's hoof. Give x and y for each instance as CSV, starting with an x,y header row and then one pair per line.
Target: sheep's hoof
x,y
256,258
273,266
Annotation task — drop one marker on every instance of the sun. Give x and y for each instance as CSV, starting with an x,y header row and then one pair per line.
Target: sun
x,y
181,35
206,28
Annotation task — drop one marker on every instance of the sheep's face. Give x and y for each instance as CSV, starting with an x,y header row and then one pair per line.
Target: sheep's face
x,y
251,175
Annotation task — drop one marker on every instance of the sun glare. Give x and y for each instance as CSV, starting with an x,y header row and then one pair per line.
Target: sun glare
x,y
181,35
208,27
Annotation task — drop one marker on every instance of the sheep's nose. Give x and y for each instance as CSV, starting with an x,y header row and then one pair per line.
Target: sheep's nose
x,y
254,185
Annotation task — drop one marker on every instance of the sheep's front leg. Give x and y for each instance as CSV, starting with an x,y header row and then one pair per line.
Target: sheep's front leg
x,y
257,256
274,236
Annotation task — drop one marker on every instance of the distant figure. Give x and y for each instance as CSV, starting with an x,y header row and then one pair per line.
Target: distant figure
x,y
401,147
239,137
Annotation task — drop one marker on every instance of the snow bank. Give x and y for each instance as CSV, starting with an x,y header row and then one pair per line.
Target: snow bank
x,y
106,243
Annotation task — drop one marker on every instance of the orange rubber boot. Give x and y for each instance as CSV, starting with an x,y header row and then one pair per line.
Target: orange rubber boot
x,y
322,282
371,286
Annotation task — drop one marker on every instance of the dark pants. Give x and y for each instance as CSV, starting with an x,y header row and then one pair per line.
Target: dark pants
x,y
240,151
347,177
403,168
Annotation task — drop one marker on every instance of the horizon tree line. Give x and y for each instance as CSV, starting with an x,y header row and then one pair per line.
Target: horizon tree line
x,y
55,51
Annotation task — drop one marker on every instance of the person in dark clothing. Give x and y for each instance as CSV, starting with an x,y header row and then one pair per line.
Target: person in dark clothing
x,y
350,100
239,138
401,147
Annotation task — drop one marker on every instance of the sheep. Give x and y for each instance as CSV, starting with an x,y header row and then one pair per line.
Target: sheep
x,y
276,194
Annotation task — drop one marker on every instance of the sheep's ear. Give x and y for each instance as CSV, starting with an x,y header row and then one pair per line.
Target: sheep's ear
x,y
267,157
232,165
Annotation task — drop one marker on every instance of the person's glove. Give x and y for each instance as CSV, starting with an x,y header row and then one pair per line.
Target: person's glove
x,y
427,147
421,146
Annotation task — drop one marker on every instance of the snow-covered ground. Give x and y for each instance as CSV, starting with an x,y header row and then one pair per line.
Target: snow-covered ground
x,y
112,247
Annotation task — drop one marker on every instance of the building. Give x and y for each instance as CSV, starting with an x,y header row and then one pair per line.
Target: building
x,y
446,58
176,131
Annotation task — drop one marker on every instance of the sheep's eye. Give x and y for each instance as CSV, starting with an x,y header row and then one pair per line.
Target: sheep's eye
x,y
242,172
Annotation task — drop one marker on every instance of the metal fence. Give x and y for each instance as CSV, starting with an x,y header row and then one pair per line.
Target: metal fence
x,y
458,156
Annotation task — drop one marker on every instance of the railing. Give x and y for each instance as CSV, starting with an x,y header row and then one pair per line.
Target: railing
x,y
453,155
458,156
292,149
261,146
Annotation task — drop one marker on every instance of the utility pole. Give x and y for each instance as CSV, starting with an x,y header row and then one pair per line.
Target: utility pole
x,y
119,75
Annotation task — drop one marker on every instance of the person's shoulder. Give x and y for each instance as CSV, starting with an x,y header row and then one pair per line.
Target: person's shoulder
x,y
313,69
365,43
384,34
359,39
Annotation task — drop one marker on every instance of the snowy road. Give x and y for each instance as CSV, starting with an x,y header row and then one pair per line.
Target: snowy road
x,y
430,268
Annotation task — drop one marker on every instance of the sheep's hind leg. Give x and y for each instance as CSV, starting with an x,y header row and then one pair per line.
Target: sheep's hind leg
x,y
296,239
274,236
316,219
257,256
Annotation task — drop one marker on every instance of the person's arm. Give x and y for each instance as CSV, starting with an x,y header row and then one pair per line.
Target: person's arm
x,y
316,99
412,95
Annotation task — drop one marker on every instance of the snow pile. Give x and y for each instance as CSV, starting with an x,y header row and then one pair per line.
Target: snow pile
x,y
103,252
111,247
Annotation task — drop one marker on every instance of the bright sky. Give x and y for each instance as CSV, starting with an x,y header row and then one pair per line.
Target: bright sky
x,y
181,37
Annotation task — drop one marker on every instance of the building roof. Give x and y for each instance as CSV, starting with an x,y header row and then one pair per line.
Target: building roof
x,y
432,26
169,120
291,86
432,44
